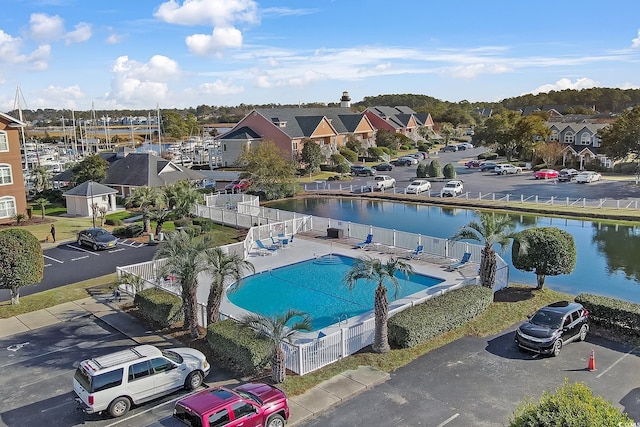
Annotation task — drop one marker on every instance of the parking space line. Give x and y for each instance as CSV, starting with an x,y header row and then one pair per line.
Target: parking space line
x,y
82,249
616,362
43,379
448,420
53,259
46,354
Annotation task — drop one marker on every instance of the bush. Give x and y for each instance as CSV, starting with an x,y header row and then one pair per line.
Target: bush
x,y
375,153
434,169
449,171
436,316
159,306
613,314
182,222
113,221
205,224
350,155
487,156
238,347
572,405
422,170
133,230
343,168
627,168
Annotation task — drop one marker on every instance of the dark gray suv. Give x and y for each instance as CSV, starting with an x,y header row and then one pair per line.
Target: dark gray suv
x,y
553,326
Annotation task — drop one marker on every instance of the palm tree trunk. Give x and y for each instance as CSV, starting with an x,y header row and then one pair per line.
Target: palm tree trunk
x,y
381,309
213,303
488,267
190,305
278,367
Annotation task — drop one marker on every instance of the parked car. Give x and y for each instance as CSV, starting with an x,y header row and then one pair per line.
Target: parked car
x,y
567,174
229,186
451,148
465,146
96,238
546,174
473,164
251,404
411,159
358,170
115,381
488,166
418,186
507,168
451,189
402,162
381,182
383,167
588,176
553,326
242,185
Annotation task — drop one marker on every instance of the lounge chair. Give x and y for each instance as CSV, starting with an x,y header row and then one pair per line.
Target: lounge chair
x,y
464,261
366,243
265,250
419,250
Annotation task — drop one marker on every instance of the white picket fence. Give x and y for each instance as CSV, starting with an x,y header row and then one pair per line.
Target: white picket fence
x,y
238,210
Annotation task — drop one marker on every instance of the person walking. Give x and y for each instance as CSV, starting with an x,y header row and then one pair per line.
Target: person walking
x,y
53,232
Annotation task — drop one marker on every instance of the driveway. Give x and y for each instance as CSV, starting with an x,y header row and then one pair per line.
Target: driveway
x,y
480,381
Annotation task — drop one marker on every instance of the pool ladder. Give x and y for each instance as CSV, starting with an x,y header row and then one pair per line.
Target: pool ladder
x,y
346,319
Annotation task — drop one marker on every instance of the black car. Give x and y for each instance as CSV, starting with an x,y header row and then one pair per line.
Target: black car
x,y
488,166
451,148
567,174
383,167
553,326
96,238
358,170
401,162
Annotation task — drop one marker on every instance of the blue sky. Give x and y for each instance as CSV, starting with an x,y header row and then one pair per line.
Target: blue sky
x,y
68,54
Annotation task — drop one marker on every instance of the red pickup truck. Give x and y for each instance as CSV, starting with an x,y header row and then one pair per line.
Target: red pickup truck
x,y
248,405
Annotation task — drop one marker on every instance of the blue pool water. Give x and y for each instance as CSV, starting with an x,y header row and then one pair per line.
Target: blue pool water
x,y
317,288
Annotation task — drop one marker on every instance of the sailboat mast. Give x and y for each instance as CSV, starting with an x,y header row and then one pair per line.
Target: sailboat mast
x,y
159,128
18,104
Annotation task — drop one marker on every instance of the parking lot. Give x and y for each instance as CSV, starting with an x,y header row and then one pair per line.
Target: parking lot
x,y
480,381
70,263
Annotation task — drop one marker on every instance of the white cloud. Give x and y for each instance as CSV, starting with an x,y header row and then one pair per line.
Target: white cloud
x,y
139,83
627,85
82,33
63,97
46,27
114,38
220,87
10,52
635,43
220,39
565,83
222,15
473,70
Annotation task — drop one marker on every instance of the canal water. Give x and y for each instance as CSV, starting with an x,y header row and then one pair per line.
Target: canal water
x,y
608,255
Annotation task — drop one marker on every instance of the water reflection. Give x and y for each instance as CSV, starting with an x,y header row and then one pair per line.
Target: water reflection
x,y
608,255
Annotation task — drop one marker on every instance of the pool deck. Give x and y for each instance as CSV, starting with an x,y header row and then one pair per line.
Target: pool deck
x,y
310,245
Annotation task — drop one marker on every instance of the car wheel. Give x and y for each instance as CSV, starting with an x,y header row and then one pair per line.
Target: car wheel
x,y
557,346
583,332
119,407
94,247
194,380
275,420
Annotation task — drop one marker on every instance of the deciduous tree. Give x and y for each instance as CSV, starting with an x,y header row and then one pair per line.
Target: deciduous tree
x,y
271,172
21,261
92,168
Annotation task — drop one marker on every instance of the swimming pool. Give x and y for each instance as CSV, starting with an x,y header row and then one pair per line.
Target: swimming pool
x,y
317,288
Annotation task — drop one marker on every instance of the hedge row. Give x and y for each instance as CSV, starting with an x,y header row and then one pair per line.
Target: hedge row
x,y
438,315
611,313
238,347
133,230
159,306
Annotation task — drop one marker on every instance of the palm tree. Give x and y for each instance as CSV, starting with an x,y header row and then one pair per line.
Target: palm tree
x,y
277,331
42,202
373,270
160,216
41,178
224,268
186,259
145,198
181,197
492,229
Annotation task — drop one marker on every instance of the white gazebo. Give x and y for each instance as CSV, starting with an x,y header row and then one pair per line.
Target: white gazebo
x,y
80,199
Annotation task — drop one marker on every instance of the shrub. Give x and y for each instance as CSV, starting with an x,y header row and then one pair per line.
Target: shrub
x,y
343,168
436,316
159,306
113,221
434,169
611,313
449,171
238,347
133,230
375,153
350,155
572,405
487,156
422,170
205,224
626,168
182,222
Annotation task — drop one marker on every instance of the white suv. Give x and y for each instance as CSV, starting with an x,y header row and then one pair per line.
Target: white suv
x,y
118,380
507,168
451,189
381,182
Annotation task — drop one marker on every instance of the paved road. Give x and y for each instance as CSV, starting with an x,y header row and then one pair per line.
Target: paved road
x,y
69,263
479,382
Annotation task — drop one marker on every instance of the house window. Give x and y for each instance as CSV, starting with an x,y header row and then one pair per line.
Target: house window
x,y
7,207
569,137
295,146
4,141
596,141
554,136
224,147
585,138
5,174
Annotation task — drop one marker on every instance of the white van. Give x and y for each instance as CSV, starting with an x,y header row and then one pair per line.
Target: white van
x,y
116,381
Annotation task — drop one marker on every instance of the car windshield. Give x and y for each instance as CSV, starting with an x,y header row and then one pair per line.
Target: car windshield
x,y
548,319
173,356
416,183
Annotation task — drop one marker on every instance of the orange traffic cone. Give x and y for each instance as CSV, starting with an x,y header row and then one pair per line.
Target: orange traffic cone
x,y
592,362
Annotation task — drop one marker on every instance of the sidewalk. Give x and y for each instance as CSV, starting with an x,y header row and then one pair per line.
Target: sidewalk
x,y
303,407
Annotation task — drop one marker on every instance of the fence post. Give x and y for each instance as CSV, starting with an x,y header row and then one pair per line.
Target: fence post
x,y
300,361
508,197
536,199
343,341
567,201
584,202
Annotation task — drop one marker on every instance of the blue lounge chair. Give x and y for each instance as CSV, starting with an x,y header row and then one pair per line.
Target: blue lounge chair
x,y
416,252
456,265
366,243
265,250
